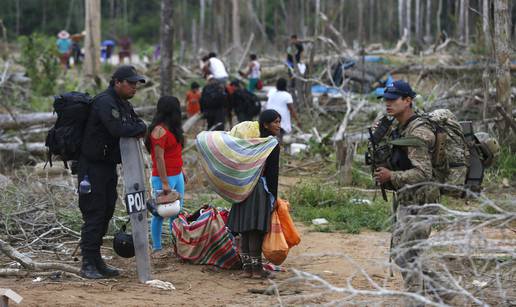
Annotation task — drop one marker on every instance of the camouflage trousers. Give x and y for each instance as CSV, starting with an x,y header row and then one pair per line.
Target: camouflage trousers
x,y
455,177
413,225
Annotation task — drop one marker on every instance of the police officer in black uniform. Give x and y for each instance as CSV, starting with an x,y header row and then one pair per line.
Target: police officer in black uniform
x,y
111,117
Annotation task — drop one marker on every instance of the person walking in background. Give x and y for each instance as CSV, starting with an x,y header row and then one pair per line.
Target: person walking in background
x,y
251,217
231,88
76,47
245,104
64,47
165,141
281,101
193,96
106,50
111,117
294,59
295,45
253,73
213,102
125,49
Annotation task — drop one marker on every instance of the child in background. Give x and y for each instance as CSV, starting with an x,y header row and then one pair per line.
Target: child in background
x,y
192,100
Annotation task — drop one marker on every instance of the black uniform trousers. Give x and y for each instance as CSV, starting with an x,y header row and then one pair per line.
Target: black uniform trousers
x,y
242,117
98,206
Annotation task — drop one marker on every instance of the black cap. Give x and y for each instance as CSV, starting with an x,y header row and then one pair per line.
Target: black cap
x,y
127,72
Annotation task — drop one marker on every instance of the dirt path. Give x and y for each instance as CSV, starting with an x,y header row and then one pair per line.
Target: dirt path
x,y
205,286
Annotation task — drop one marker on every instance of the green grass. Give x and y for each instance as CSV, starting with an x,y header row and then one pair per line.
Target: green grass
x,y
314,200
192,205
505,164
363,178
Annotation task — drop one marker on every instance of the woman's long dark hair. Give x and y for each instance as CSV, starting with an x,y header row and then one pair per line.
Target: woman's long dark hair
x,y
267,116
168,113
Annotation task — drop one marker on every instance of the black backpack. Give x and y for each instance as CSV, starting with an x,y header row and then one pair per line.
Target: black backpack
x,y
65,138
213,96
251,105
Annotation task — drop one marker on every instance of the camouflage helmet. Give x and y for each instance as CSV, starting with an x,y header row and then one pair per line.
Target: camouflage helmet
x,y
489,147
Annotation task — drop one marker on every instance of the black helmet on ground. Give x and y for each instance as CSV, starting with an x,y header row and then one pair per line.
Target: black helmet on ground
x,y
123,243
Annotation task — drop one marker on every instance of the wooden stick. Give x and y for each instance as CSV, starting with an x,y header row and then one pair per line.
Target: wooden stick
x,y
246,50
29,264
506,117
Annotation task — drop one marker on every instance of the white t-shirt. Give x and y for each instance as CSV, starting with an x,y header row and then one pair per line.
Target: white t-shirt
x,y
255,70
217,68
271,92
278,101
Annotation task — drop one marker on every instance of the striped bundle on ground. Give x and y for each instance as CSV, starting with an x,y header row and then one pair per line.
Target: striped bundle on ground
x,y
206,240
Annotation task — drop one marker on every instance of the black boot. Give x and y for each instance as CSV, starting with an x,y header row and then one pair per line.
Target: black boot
x,y
89,269
104,269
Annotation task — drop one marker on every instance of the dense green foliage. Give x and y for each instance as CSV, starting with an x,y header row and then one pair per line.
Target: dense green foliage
x,y
345,211
278,19
39,57
139,18
504,166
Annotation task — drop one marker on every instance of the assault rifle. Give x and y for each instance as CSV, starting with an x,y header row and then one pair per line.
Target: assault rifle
x,y
379,152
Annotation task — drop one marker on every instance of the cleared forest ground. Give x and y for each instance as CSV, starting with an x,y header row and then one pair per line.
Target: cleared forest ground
x,y
319,253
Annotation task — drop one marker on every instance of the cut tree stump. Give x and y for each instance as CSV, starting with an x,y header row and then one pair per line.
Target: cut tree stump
x,y
345,152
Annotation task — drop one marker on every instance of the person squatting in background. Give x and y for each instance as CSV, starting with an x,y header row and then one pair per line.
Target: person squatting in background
x,y
251,217
165,141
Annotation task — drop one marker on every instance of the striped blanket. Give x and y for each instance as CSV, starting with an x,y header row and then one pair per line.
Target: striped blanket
x,y
233,165
206,240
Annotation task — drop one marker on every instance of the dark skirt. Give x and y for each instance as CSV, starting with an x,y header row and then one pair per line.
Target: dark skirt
x,y
254,213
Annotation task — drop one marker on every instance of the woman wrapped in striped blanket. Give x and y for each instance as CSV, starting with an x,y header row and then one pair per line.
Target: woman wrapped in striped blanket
x,y
245,172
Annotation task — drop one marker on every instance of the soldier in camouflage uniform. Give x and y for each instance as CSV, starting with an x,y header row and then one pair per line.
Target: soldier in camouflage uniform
x,y
411,165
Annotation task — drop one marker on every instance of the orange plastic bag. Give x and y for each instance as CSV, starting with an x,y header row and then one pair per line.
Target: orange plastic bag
x,y
287,225
275,247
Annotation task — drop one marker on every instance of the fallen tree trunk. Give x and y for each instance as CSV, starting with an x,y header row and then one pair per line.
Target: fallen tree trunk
x,y
190,122
36,149
29,264
274,71
448,69
47,118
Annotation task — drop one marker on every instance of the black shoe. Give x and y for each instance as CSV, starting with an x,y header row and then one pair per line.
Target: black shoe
x,y
104,269
247,266
89,269
258,271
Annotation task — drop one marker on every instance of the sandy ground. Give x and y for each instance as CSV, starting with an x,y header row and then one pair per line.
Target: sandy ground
x,y
319,253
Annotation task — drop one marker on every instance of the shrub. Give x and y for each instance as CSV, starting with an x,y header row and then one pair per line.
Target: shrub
x,y
40,59
504,167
